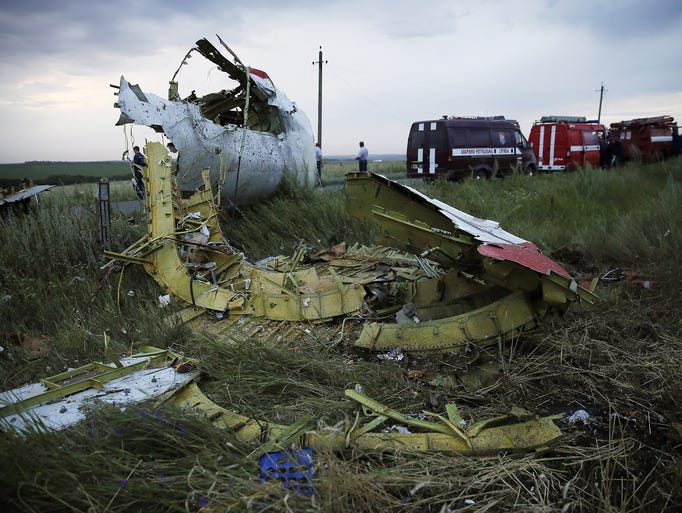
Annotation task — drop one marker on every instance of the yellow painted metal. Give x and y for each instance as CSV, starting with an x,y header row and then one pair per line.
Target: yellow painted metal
x,y
244,428
413,222
312,298
418,237
186,253
366,191
509,316
516,437
501,434
380,409
166,266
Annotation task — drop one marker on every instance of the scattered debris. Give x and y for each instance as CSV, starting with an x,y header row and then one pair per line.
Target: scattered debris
x,y
57,401
18,198
579,416
628,278
452,279
35,346
518,431
293,467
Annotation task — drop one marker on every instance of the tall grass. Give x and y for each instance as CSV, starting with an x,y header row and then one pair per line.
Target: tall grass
x,y
274,227
52,288
619,360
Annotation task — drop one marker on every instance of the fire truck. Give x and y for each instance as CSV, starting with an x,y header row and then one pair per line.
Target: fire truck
x,y
563,143
652,139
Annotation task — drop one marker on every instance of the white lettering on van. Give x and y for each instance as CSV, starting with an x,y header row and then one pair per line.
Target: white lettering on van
x,y
468,152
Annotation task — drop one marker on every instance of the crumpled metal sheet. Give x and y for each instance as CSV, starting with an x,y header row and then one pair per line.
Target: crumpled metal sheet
x,y
519,431
248,154
511,273
210,274
60,401
451,279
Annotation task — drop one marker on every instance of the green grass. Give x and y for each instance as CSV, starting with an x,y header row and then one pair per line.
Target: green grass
x,y
619,359
334,171
62,172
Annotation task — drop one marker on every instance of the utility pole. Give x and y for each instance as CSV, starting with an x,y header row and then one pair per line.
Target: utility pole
x,y
601,97
319,62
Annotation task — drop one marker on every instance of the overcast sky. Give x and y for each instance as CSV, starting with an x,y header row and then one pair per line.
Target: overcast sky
x,y
390,62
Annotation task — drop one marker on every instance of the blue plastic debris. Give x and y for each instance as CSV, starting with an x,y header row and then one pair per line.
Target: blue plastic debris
x,y
294,468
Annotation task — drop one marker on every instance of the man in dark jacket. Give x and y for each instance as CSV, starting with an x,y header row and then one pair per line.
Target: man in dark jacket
x,y
138,163
615,152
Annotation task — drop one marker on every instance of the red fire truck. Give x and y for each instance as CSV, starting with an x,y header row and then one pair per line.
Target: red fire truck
x,y
563,143
651,138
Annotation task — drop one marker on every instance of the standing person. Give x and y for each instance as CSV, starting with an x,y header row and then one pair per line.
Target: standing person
x,y
139,162
362,157
677,141
318,159
603,153
615,151
619,152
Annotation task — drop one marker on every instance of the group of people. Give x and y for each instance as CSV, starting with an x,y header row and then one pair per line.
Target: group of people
x,y
611,151
361,158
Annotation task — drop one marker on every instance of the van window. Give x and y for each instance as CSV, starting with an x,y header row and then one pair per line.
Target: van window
x,y
437,139
520,139
478,138
417,139
458,137
503,138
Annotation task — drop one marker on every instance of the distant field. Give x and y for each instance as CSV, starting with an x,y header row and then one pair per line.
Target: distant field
x,y
67,173
63,172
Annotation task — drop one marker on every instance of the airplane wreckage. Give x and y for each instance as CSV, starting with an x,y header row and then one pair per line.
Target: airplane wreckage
x,y
249,136
443,281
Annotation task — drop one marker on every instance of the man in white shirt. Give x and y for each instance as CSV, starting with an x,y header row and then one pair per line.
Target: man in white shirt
x,y
362,157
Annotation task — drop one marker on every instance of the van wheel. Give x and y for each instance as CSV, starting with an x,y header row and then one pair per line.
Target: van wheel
x,y
530,170
481,174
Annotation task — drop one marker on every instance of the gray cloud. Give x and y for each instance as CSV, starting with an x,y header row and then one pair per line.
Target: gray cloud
x,y
390,62
622,19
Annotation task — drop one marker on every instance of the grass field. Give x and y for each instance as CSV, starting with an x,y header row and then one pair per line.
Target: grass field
x,y
619,360
75,173
62,172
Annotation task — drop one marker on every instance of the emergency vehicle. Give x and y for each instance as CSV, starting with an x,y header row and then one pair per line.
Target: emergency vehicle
x,y
462,147
650,138
563,143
